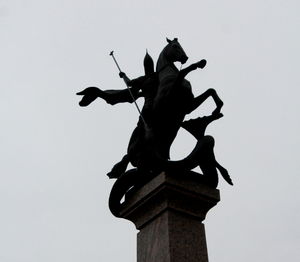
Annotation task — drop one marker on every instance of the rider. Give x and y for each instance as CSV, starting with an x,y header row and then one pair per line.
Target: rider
x,y
137,152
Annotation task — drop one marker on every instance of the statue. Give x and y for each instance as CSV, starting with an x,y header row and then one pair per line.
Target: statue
x,y
168,99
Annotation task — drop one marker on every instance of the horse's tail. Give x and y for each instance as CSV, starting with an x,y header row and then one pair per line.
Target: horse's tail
x,y
119,189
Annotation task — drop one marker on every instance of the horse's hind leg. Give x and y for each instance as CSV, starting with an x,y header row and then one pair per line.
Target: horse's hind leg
x,y
209,164
207,161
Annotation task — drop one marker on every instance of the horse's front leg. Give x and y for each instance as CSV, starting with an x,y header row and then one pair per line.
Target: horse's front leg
x,y
197,101
219,103
201,64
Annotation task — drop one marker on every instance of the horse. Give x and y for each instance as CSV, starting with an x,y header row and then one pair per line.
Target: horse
x,y
174,99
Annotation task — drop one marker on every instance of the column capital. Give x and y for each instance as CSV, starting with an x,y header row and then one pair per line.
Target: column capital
x,y
169,192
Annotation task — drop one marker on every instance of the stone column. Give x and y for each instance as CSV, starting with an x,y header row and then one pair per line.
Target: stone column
x,y
169,211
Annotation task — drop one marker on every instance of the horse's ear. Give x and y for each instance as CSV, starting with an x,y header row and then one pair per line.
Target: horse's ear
x,y
168,40
175,39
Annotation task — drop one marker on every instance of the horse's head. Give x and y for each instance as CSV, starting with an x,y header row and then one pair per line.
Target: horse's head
x,y
174,52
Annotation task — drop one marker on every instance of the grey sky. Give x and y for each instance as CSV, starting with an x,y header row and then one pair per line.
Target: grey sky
x,y
53,188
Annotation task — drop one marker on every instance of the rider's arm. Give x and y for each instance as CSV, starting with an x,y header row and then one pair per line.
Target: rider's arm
x,y
134,86
125,78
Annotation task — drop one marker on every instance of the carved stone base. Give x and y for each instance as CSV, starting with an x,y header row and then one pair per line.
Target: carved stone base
x,y
169,211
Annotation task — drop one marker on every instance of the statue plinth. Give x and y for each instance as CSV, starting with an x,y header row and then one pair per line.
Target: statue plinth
x,y
169,211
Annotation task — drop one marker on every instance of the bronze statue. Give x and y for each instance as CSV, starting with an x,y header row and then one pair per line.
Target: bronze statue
x,y
168,99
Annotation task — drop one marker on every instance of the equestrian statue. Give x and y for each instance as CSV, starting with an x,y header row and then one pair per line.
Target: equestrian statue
x,y
168,98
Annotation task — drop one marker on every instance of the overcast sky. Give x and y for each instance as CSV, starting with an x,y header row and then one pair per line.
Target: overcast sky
x,y
55,155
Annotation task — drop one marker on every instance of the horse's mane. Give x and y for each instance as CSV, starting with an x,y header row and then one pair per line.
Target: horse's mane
x,y
162,60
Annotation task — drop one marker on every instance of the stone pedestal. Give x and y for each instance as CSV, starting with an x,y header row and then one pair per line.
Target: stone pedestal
x,y
169,211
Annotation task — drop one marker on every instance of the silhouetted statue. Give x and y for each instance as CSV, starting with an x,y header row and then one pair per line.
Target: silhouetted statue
x,y
168,99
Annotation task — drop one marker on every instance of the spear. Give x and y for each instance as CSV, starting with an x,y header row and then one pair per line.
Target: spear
x,y
133,99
